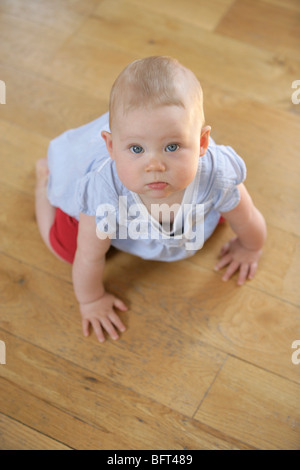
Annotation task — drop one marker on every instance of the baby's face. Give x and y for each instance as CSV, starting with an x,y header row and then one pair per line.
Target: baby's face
x,y
156,151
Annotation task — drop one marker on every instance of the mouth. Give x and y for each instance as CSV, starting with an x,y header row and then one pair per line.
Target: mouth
x,y
158,185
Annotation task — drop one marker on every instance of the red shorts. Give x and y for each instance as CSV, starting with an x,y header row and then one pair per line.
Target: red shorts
x,y
63,235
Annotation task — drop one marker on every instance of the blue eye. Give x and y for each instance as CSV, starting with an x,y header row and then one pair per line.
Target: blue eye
x,y
172,148
136,149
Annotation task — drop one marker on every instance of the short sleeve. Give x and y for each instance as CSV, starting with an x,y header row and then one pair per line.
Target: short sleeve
x,y
230,172
94,191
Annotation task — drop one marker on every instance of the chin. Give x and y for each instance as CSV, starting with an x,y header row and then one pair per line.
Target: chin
x,y
159,195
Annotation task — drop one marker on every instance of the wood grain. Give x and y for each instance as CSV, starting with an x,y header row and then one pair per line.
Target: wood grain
x,y
256,406
203,364
16,436
272,27
121,418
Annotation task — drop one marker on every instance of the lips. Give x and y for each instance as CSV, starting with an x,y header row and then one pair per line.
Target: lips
x,y
158,185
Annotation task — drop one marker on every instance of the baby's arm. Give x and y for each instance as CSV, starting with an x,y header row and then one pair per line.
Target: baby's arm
x,y
243,251
96,305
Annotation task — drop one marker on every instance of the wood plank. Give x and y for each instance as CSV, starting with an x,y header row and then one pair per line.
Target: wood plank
x,y
240,321
255,23
277,275
71,12
290,4
183,321
134,359
204,14
118,26
49,419
26,44
16,436
120,415
80,63
189,331
20,237
254,406
20,149
43,106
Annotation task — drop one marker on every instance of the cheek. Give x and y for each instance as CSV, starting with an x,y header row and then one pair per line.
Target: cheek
x,y
186,172
128,174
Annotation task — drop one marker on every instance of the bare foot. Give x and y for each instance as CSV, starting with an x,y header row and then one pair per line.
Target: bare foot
x,y
42,173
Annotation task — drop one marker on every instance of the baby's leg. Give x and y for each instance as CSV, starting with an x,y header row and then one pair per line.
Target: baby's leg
x,y
45,213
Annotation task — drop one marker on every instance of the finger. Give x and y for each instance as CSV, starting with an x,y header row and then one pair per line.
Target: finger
x,y
252,270
85,327
98,330
234,265
120,305
115,319
223,262
107,325
244,269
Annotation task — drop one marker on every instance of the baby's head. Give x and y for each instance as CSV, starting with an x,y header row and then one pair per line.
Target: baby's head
x,y
153,82
156,122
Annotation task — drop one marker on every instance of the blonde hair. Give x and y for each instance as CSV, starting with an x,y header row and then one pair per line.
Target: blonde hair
x,y
155,81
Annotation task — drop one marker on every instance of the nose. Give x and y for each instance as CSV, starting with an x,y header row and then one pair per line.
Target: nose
x,y
155,164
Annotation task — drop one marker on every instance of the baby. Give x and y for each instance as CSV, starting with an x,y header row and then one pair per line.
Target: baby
x,y
126,179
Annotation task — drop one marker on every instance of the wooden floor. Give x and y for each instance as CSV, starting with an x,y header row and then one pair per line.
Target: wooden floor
x,y
204,364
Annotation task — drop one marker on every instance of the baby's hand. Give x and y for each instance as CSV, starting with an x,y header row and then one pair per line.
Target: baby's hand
x,y
101,314
237,257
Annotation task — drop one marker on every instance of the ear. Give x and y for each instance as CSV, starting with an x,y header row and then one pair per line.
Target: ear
x,y
108,141
204,140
